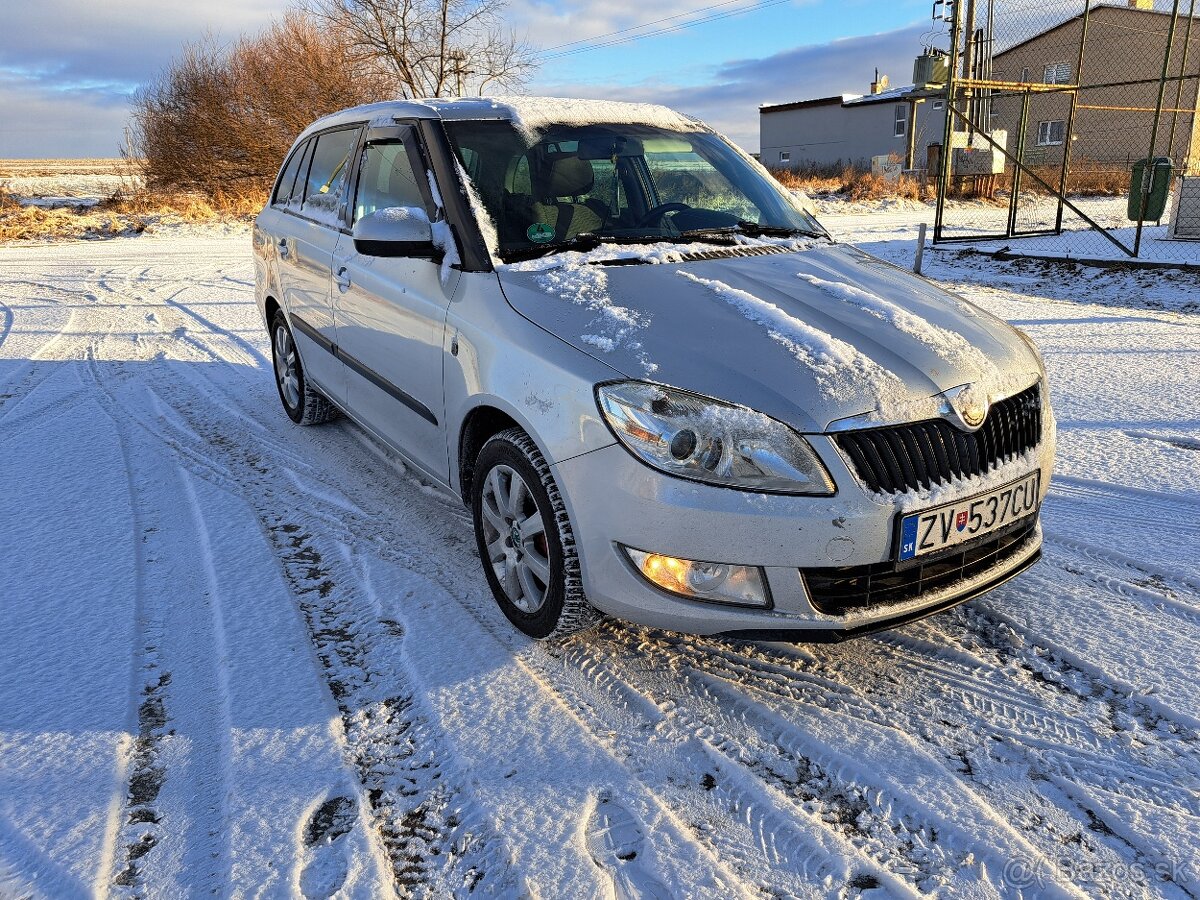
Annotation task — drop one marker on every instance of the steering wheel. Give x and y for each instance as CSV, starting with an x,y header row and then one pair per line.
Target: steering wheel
x,y
655,215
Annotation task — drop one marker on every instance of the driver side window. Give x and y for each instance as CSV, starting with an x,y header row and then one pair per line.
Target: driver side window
x,y
389,178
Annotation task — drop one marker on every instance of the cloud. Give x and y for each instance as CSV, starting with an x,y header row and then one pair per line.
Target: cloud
x,y
67,67
729,98
59,121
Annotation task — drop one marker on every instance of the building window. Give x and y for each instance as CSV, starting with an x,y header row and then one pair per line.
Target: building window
x,y
901,124
785,155
1050,134
939,104
1024,74
1057,73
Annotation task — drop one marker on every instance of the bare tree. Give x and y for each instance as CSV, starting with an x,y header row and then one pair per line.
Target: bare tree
x,y
220,118
431,48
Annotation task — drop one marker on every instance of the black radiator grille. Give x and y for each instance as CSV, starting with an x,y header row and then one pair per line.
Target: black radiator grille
x,y
837,591
916,456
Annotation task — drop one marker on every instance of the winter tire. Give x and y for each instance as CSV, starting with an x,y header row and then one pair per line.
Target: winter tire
x,y
303,404
525,539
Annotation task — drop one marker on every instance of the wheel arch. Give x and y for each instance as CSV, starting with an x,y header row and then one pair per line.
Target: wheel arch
x,y
482,422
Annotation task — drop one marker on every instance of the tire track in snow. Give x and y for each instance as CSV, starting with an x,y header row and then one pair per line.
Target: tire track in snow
x,y
745,797
139,772
338,647
432,843
416,799
1171,583
766,669
1044,661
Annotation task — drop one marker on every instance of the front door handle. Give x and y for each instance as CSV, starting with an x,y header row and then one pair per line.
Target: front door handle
x,y
342,278
283,247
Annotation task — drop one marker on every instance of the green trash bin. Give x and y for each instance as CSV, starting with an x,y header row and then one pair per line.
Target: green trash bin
x,y
1155,184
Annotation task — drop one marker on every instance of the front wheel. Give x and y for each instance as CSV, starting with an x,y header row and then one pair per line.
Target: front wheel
x,y
525,539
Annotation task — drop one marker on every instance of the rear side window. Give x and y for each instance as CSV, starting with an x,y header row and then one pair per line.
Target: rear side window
x,y
284,191
389,178
328,175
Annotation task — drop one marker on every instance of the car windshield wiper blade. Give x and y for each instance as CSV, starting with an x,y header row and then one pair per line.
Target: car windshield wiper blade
x,y
752,229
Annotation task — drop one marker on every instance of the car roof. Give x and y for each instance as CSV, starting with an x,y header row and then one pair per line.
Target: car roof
x,y
527,113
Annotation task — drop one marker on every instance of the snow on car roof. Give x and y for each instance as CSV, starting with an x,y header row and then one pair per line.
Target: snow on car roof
x,y
529,114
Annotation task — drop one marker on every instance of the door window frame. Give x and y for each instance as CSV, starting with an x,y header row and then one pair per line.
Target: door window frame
x,y
404,132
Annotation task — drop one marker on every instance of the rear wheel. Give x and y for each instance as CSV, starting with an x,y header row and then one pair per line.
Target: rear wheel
x,y
303,404
525,539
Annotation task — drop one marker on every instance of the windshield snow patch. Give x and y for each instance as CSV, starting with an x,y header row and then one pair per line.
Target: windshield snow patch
x,y
841,370
614,326
656,253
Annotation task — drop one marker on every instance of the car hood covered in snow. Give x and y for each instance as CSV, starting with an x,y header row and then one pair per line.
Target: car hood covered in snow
x,y
809,334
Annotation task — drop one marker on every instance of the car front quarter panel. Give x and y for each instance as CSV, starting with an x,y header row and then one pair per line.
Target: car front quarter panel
x,y
496,357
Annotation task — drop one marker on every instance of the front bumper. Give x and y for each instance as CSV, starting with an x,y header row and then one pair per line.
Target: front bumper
x,y
615,500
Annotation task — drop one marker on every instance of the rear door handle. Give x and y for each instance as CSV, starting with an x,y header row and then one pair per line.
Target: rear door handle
x,y
342,278
283,247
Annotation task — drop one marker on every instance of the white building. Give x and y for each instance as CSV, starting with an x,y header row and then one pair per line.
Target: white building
x,y
851,129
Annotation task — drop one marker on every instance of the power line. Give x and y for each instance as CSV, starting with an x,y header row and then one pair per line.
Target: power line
x,y
668,30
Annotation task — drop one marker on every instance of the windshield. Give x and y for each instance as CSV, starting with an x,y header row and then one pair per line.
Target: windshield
x,y
617,183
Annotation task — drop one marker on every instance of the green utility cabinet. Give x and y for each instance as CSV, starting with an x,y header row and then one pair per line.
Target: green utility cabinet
x,y
1157,188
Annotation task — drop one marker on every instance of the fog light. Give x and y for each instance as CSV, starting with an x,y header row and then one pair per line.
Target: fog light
x,y
717,582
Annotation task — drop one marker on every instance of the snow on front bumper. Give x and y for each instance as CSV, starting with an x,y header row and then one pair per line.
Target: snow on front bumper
x,y
616,500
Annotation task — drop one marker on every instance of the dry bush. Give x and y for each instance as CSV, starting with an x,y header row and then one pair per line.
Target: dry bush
x,y
812,178
1086,179
219,120
865,186
850,182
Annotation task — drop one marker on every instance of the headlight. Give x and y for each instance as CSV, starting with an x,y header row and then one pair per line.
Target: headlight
x,y
707,440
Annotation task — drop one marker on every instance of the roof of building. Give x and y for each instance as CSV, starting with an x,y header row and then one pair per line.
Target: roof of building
x,y
1107,9
888,96
891,95
839,100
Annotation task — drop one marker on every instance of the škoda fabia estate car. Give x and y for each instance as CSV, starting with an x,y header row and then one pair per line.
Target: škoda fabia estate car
x,y
665,393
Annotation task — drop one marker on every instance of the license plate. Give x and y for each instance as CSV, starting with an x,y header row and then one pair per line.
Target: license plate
x,y
944,526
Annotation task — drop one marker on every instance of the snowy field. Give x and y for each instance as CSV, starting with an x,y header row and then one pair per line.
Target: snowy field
x,y
246,658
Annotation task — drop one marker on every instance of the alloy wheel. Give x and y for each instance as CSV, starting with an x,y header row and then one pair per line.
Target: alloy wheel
x,y
515,535
285,367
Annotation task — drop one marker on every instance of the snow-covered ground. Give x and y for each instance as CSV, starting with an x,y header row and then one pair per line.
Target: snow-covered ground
x,y
242,657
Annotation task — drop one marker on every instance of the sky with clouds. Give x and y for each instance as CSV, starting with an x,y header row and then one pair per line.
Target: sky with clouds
x,y
67,67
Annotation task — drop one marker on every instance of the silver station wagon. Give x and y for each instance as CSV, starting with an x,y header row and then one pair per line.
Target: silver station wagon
x,y
664,391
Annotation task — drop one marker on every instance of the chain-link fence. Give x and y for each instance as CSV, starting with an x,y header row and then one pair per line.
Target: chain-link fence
x,y
1072,126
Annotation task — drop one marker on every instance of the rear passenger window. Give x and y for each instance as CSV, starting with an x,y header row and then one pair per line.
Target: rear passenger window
x,y
284,191
389,178
328,175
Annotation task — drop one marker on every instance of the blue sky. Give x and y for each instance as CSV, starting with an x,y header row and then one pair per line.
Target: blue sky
x,y
68,66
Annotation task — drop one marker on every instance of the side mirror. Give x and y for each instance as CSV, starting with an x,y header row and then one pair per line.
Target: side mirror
x,y
395,231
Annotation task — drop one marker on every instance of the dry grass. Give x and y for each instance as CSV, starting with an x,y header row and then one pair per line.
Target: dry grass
x,y
124,213
850,182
